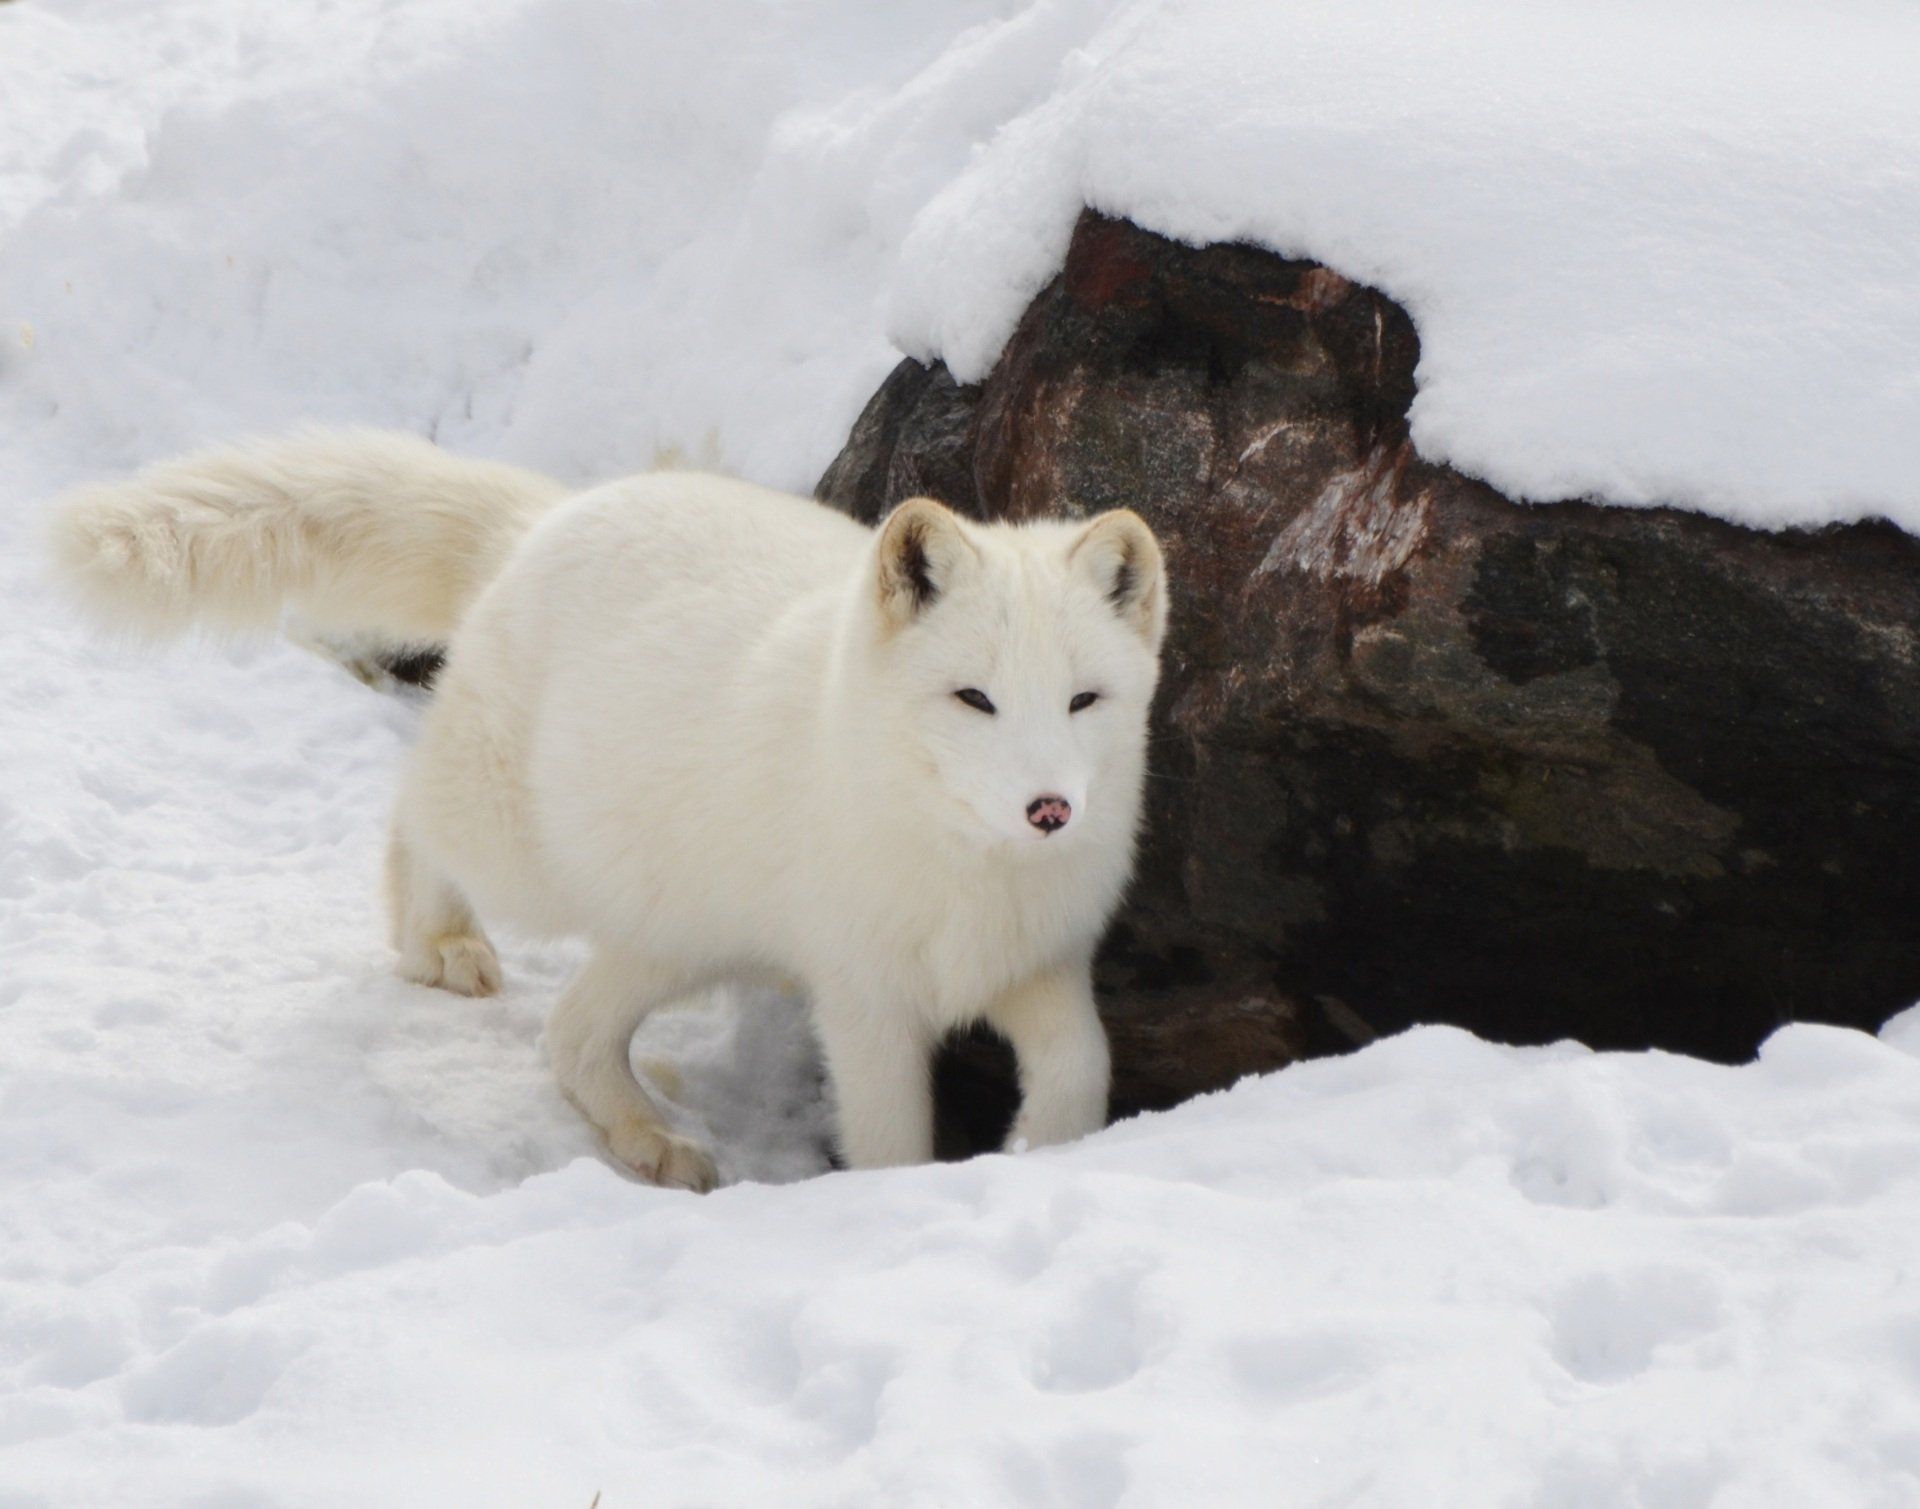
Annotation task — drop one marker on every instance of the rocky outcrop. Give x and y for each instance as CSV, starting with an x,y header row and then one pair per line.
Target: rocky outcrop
x,y
1424,753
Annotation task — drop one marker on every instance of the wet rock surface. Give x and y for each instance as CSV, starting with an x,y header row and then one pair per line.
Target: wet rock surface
x,y
1424,753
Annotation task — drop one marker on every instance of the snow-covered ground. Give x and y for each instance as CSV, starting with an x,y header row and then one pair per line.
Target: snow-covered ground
x,y
278,1229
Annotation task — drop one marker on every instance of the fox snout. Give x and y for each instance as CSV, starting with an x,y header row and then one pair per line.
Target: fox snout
x,y
1049,813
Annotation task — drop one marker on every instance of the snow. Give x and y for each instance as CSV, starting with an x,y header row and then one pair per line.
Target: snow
x,y
1656,253
276,1229
1436,1271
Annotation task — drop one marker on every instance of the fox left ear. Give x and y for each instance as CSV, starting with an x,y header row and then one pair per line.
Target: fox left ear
x,y
1121,555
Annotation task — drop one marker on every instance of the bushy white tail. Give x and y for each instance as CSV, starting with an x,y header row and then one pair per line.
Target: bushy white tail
x,y
354,529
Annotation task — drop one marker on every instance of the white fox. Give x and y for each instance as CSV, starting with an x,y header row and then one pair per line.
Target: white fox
x,y
721,731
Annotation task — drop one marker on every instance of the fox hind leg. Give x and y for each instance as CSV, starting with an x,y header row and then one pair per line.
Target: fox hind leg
x,y
589,1039
434,929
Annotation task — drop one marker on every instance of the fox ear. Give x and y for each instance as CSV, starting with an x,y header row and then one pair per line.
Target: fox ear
x,y
922,546
1121,555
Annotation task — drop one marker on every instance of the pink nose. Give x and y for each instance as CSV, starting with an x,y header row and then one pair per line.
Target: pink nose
x,y
1049,813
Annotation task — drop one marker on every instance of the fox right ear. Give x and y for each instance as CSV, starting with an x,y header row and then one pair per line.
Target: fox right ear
x,y
921,547
1119,552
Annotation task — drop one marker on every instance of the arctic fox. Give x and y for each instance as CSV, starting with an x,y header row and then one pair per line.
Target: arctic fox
x,y
721,731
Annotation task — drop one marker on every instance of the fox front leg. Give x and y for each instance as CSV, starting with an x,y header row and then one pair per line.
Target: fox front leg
x,y
880,1062
1061,1047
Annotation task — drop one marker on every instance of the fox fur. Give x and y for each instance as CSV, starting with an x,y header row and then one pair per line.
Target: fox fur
x,y
722,732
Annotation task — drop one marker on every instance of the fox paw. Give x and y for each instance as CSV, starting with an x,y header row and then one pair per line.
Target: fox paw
x,y
661,1158
463,963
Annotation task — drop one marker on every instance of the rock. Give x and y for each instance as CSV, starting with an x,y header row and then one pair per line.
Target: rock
x,y
1424,753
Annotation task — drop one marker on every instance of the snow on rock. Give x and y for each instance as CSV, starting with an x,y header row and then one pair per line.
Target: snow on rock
x,y
276,1229
1655,253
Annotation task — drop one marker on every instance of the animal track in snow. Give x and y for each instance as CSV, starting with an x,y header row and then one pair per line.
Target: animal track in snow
x,y
1607,1326
1094,1341
1082,1469
1567,1153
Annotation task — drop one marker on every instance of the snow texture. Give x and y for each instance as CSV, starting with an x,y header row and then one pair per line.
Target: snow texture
x,y
276,1229
1656,252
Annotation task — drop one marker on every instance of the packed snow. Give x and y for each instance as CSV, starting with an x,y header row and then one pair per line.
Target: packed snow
x,y
277,1229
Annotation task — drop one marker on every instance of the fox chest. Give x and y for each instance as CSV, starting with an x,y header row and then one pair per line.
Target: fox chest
x,y
990,938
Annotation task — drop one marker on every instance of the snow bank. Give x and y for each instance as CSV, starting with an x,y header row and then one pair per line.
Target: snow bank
x,y
584,233
1657,253
1435,1272
278,1229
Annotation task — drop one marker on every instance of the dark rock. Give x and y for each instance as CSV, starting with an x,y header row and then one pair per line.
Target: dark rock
x,y
1423,753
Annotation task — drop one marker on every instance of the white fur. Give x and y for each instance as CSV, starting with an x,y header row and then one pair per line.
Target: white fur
x,y
355,529
712,728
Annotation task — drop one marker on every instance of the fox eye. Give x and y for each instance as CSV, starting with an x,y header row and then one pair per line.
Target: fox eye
x,y
975,698
1083,701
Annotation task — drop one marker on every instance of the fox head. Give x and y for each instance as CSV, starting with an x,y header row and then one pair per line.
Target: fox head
x,y
1018,663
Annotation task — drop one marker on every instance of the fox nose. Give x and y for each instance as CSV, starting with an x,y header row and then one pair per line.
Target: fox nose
x,y
1049,813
